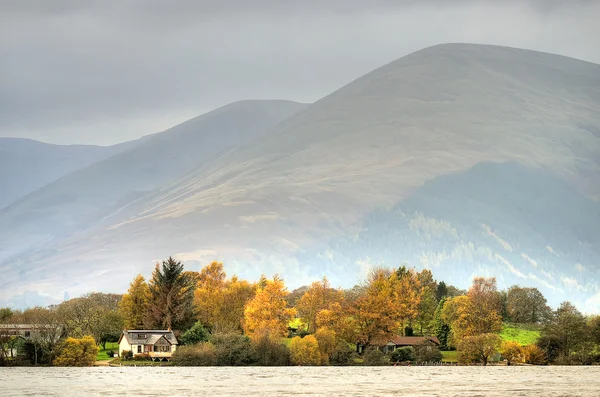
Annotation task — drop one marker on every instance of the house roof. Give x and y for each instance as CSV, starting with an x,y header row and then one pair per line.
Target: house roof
x,y
148,336
406,340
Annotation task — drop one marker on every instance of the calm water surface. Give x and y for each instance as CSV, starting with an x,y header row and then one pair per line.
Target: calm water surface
x,y
302,381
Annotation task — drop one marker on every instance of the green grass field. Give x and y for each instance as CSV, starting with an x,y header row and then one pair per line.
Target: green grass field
x,y
449,356
102,353
522,334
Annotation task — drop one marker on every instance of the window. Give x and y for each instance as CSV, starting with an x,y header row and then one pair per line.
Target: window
x,y
141,336
27,334
139,348
162,349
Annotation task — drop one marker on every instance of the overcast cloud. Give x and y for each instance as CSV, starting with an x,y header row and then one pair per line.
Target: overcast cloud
x,y
92,71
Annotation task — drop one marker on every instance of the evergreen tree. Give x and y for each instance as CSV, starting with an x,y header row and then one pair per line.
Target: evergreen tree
x,y
440,328
441,291
172,296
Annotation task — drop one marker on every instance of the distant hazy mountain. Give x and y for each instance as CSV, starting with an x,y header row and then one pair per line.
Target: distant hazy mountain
x,y
468,159
27,165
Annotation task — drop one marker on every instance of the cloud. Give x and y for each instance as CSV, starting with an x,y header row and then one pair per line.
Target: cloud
x,y
94,71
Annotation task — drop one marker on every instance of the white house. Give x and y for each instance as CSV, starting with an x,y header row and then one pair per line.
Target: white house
x,y
157,344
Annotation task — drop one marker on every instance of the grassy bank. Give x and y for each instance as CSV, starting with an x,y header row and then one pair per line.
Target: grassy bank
x,y
449,356
114,346
522,334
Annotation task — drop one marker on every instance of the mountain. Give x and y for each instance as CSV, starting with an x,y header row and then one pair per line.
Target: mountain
x,y
27,165
468,159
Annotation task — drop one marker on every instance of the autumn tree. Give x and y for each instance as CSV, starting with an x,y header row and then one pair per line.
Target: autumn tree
x,y
473,314
327,343
478,349
172,296
512,352
317,297
526,305
375,311
305,351
77,352
135,304
268,310
338,318
236,296
407,294
209,293
532,354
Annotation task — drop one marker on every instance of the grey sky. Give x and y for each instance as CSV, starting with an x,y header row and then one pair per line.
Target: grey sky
x,y
92,71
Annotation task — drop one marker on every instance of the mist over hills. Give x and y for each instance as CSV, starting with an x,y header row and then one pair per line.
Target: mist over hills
x,y
26,165
467,159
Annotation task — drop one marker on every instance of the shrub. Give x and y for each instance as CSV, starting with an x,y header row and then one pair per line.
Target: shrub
x,y
110,353
202,354
427,353
305,351
232,349
533,355
268,351
512,352
342,355
196,334
126,354
77,352
141,357
374,357
403,354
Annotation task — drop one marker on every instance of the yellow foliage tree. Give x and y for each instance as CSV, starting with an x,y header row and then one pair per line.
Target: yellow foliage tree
x,y
268,310
77,352
375,311
478,349
475,313
305,351
209,293
407,294
319,296
336,318
327,343
236,295
134,305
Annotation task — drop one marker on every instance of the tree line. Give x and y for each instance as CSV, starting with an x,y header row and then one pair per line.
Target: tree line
x,y
224,320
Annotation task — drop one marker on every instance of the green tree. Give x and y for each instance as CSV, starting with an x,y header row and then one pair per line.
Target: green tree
x,y
441,291
196,334
440,329
428,303
569,327
172,296
526,305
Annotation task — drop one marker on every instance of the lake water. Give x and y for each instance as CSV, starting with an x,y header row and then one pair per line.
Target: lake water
x,y
302,381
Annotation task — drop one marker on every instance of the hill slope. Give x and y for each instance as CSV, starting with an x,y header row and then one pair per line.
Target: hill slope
x,y
302,199
27,165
